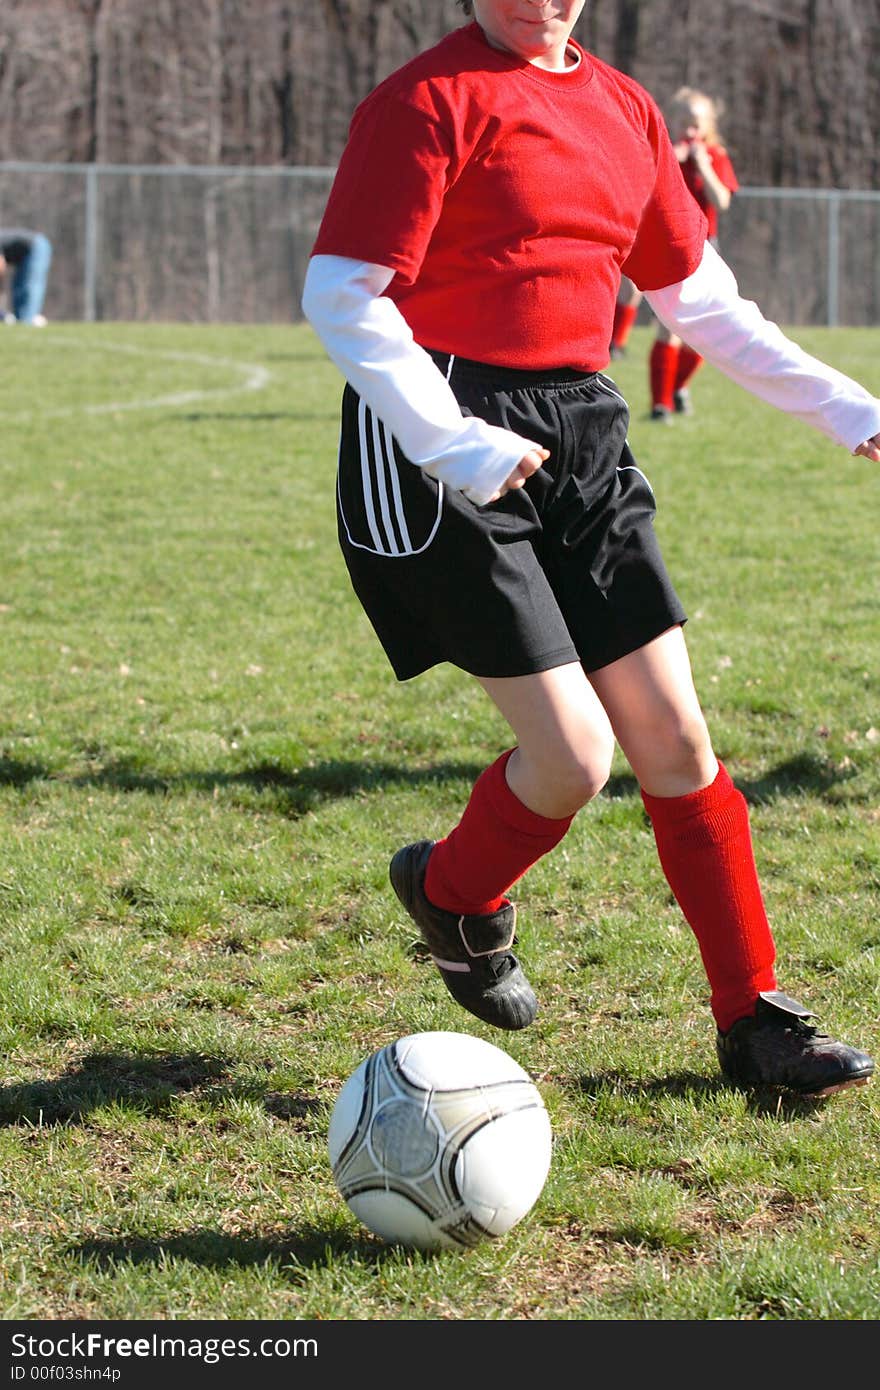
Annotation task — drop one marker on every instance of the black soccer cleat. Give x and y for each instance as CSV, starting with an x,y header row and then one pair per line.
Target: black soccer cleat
x,y
661,414
471,952
682,401
778,1047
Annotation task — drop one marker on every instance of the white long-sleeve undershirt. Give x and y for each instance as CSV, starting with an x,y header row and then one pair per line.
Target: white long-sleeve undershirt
x,y
370,342
706,310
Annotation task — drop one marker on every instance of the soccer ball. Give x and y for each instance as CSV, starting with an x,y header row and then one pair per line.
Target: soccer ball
x,y
439,1141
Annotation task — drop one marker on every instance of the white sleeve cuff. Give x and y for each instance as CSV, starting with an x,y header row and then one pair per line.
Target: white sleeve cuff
x,y
707,312
369,340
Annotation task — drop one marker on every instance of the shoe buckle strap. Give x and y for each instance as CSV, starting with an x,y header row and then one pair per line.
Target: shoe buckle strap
x,y
783,1003
493,950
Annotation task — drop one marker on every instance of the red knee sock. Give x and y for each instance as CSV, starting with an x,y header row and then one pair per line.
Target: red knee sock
x,y
495,841
624,317
662,366
688,362
705,849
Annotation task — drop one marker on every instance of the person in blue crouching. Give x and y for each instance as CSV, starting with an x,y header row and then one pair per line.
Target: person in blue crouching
x,y
25,257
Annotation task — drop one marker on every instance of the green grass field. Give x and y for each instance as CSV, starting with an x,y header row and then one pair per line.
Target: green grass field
x,y
205,766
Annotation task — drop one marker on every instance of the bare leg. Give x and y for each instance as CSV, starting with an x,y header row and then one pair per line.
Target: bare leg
x,y
656,716
700,820
665,335
519,809
564,739
628,293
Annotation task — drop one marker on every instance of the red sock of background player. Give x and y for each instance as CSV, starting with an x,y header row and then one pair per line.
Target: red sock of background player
x,y
624,318
705,849
662,366
495,841
688,362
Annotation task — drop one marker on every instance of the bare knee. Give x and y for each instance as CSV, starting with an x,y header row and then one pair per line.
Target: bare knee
x,y
674,754
687,738
557,782
565,741
578,782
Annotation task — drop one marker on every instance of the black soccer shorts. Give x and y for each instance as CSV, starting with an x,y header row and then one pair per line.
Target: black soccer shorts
x,y
566,568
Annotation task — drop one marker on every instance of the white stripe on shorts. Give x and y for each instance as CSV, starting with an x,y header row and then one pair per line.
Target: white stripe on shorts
x,y
382,508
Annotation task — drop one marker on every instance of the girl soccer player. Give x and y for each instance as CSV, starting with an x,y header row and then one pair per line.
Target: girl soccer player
x,y
709,174
491,514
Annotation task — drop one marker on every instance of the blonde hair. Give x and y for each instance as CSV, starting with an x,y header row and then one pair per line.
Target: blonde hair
x,y
689,96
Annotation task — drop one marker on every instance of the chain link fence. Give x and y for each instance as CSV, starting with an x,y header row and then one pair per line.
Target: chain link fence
x,y
172,243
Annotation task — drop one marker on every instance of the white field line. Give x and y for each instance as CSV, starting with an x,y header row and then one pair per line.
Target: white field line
x,y
255,377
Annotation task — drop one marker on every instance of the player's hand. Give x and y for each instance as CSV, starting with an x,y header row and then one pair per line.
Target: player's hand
x,y
528,464
700,155
870,449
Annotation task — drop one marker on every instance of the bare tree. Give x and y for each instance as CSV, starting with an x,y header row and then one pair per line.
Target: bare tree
x,y
276,81
227,83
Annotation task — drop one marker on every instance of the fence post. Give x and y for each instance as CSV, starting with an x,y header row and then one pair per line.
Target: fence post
x,y
95,259
91,247
833,260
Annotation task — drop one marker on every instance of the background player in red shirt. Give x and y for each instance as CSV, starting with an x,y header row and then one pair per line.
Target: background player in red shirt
x,y
710,177
491,514
709,174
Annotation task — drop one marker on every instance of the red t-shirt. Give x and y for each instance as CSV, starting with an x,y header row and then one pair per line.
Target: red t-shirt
x,y
509,199
723,168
